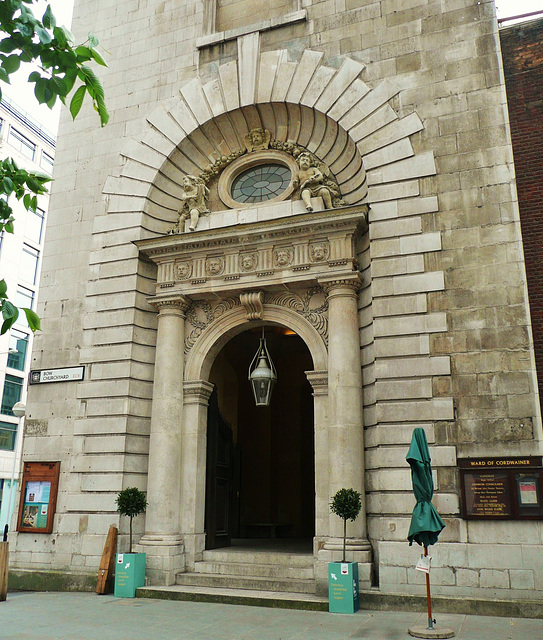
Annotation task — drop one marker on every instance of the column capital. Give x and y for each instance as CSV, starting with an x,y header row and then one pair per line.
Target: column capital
x,y
197,392
168,304
318,381
349,284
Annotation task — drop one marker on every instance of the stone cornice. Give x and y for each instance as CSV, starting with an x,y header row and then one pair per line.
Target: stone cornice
x,y
166,247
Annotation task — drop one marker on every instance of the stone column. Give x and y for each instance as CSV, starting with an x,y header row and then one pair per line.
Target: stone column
x,y
346,430
162,540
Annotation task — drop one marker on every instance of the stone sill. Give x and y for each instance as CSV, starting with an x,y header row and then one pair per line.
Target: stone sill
x,y
266,25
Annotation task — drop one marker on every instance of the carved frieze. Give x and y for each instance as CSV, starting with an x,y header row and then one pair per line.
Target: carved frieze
x,y
201,314
283,257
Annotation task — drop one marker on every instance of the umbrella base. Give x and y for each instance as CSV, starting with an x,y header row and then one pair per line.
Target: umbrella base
x,y
424,632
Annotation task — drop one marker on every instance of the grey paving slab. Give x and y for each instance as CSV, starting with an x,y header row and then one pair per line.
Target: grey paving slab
x,y
85,616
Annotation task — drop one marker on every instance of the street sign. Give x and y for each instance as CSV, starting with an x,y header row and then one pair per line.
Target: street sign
x,y
68,374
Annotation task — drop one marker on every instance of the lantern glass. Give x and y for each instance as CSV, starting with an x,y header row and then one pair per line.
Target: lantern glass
x,y
262,375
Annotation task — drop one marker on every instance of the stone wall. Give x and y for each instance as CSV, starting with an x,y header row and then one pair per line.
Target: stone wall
x,y
444,323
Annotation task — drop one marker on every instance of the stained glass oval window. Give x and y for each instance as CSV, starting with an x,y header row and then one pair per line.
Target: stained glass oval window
x,y
261,183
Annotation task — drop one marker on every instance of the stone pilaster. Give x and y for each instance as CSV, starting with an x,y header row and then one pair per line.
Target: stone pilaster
x,y
162,540
194,445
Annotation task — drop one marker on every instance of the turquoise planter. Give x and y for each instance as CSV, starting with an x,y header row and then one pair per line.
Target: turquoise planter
x,y
343,596
129,574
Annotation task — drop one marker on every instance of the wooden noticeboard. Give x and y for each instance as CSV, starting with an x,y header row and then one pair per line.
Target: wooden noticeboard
x,y
38,497
502,488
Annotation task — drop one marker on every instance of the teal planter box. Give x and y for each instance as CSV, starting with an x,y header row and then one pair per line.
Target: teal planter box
x,y
129,574
343,596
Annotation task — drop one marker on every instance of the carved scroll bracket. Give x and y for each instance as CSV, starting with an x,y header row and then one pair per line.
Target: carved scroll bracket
x,y
253,301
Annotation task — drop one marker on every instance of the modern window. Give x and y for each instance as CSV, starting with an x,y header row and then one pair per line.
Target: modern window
x,y
18,346
24,298
28,270
34,225
21,143
46,162
13,390
8,434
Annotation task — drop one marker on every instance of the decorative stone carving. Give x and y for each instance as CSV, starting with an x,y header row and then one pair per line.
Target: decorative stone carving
x,y
182,270
313,180
215,266
257,140
248,262
253,303
195,194
177,304
313,306
354,284
283,256
319,251
201,314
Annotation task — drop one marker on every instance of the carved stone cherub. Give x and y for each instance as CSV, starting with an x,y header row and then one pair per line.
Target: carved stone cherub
x,y
312,180
194,205
257,140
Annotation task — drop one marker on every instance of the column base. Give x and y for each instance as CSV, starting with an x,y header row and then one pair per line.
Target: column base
x,y
356,550
165,558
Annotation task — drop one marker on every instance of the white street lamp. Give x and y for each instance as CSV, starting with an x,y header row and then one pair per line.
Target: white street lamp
x,y
19,411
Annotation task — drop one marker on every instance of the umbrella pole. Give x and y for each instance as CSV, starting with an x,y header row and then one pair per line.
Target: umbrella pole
x,y
428,596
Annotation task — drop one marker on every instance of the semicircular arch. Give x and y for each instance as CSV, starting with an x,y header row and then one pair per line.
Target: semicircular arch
x,y
202,355
351,127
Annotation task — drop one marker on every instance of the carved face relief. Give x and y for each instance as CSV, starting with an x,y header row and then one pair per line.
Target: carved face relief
x,y
214,266
248,261
182,270
318,252
283,257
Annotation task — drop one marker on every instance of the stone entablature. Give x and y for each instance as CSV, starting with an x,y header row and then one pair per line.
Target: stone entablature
x,y
267,254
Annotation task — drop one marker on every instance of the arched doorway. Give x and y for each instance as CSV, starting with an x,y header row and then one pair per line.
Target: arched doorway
x,y
260,480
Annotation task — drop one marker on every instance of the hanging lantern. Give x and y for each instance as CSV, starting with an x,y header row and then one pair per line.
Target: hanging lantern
x,y
262,375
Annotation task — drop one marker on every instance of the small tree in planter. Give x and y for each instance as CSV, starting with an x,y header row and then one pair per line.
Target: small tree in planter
x,y
346,504
131,502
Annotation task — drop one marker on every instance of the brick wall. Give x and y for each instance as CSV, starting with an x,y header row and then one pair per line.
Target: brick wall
x,y
522,50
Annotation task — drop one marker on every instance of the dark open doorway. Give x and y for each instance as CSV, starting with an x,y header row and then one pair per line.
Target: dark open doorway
x,y
260,467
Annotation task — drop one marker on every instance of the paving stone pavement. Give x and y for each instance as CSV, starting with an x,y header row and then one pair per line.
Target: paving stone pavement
x,y
86,616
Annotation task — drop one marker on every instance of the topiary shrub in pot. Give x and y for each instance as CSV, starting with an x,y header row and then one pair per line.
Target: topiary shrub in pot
x,y
130,567
343,594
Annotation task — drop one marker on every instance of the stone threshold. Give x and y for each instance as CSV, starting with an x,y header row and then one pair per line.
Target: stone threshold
x,y
370,600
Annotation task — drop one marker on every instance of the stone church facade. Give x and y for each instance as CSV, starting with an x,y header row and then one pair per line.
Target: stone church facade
x,y
399,303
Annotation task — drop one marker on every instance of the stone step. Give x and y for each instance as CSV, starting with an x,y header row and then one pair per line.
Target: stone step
x,y
232,555
245,582
255,569
285,600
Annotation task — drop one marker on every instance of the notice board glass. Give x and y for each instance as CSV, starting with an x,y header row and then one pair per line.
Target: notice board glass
x,y
38,497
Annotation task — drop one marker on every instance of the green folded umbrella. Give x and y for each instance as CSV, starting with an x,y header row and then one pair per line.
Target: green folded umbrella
x,y
426,524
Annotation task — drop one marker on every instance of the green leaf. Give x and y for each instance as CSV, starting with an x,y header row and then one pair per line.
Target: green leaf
x,y
98,58
94,85
43,91
49,20
83,54
9,310
9,44
77,101
33,319
4,75
34,76
7,185
43,35
9,226
60,36
3,288
11,63
102,111
93,41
